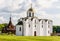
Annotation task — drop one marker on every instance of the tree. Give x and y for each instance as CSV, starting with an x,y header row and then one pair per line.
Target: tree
x,y
2,25
54,28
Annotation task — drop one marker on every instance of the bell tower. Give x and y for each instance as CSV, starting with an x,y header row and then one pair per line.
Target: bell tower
x,y
30,12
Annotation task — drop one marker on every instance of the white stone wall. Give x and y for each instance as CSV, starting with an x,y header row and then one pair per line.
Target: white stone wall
x,y
40,31
44,28
47,29
51,27
18,32
41,28
26,30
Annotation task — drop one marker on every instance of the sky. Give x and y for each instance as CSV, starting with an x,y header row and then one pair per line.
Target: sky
x,y
45,9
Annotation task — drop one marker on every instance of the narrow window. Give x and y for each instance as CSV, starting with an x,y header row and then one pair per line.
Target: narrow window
x,y
45,20
42,26
20,28
29,14
48,31
29,25
35,21
48,22
35,25
42,22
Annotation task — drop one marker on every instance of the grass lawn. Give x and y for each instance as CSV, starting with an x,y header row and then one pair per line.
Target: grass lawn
x,y
28,38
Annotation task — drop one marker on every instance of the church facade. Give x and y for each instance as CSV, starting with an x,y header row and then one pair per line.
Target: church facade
x,y
32,26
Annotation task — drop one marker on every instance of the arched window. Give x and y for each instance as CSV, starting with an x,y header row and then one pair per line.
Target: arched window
x,y
45,20
30,14
35,25
48,22
42,26
29,25
48,32
20,29
42,22
35,21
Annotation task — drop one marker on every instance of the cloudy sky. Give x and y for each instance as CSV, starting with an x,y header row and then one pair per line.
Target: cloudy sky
x,y
46,9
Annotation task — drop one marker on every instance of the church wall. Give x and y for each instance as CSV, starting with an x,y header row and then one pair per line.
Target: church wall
x,y
41,28
36,26
27,28
47,29
51,29
44,28
31,28
50,26
18,28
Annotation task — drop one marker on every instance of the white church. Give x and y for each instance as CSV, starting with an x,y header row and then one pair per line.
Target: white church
x,y
32,26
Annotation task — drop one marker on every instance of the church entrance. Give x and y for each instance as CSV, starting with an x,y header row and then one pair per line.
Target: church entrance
x,y
34,33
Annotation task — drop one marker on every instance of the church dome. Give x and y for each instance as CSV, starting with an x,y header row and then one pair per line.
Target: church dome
x,y
30,9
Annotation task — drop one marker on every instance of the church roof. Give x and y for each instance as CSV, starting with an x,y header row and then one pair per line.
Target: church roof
x,y
10,23
30,9
10,26
45,20
20,23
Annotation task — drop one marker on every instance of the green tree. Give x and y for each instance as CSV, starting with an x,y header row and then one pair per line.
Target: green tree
x,y
2,25
54,28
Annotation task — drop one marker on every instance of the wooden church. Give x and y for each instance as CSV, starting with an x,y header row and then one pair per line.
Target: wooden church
x,y
10,28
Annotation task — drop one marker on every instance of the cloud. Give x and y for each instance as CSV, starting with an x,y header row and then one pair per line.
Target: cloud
x,y
7,10
49,9
16,16
56,4
52,10
2,20
2,3
45,3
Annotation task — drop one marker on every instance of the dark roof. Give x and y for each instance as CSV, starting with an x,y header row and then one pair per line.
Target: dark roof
x,y
10,24
30,9
20,23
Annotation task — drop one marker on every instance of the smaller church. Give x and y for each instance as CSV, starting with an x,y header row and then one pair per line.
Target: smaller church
x,y
10,28
32,26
